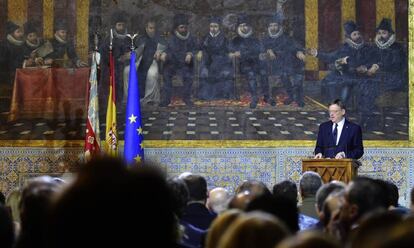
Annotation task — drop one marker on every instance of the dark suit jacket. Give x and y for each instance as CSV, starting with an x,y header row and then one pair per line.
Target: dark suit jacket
x,y
350,141
198,215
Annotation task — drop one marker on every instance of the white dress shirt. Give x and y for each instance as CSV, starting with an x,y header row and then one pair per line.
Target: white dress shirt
x,y
340,127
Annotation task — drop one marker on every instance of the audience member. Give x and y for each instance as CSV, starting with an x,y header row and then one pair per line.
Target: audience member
x,y
331,212
412,199
362,196
220,226
310,239
110,206
6,228
373,226
35,204
255,229
196,212
309,184
184,175
288,190
12,203
280,207
2,199
190,236
401,236
241,200
106,198
254,187
218,200
393,196
321,195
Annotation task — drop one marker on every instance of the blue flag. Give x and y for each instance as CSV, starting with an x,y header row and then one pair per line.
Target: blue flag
x,y
134,149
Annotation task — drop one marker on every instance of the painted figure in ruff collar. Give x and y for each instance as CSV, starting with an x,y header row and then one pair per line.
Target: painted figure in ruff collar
x,y
284,57
351,63
245,48
215,76
11,53
178,59
390,57
388,70
121,48
63,49
32,43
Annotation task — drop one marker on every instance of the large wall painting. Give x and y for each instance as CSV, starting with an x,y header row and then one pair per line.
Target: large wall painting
x,y
241,72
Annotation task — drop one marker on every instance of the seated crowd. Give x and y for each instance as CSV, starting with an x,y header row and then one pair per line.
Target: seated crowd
x,y
108,204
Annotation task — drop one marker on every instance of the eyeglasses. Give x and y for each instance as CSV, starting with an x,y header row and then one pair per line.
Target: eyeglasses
x,y
334,111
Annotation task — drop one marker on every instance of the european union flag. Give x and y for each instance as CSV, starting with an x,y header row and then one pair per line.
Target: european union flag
x,y
134,149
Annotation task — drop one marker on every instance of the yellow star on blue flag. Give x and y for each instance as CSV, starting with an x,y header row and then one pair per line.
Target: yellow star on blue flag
x,y
134,149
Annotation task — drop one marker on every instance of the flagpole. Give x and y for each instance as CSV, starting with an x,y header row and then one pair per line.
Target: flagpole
x,y
111,134
133,148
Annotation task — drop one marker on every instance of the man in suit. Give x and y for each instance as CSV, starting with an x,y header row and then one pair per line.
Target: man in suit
x,y
196,213
339,138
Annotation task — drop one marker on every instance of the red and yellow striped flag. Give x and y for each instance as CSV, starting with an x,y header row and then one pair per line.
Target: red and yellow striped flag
x,y
111,135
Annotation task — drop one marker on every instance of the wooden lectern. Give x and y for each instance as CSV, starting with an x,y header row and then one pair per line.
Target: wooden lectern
x,y
332,169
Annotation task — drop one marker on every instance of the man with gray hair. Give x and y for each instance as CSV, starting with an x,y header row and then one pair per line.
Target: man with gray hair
x,y
321,195
218,200
309,184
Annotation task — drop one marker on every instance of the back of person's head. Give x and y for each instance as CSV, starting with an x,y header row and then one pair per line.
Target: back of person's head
x,y
332,205
412,199
388,193
2,199
12,202
6,228
283,208
374,228
241,200
218,200
254,187
324,191
220,226
255,229
401,236
367,195
392,193
197,187
35,204
309,183
286,189
309,239
184,175
110,205
179,193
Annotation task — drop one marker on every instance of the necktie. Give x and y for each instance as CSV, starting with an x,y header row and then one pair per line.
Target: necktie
x,y
335,132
